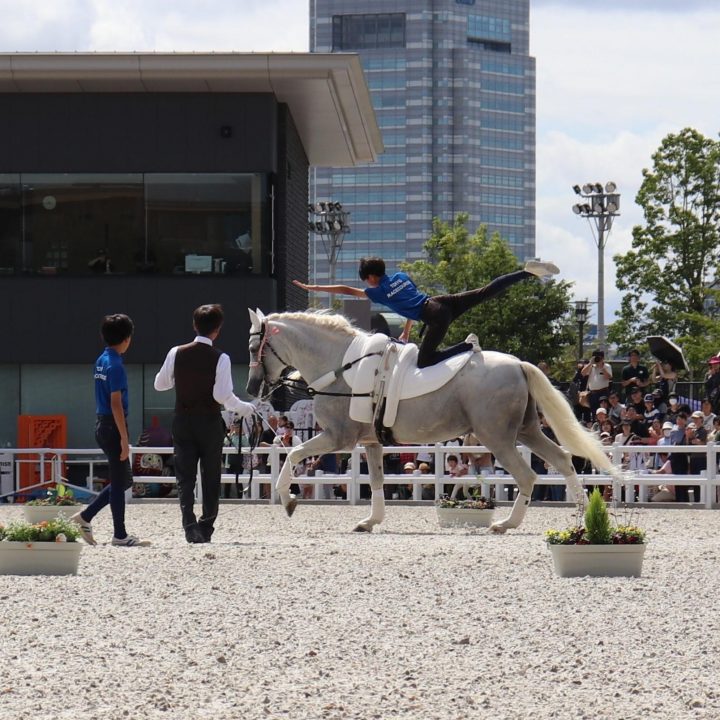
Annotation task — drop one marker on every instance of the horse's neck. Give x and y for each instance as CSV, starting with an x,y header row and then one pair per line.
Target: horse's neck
x,y
315,351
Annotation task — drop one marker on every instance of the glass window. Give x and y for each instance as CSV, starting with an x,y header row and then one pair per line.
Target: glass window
x,y
81,223
10,223
206,223
365,32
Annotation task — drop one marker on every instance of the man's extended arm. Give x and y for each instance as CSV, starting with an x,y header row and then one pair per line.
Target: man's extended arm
x,y
223,389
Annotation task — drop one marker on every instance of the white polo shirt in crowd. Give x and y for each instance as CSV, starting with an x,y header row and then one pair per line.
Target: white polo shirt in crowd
x,y
597,380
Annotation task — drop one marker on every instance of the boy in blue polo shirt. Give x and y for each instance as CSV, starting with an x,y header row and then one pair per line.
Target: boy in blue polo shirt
x,y
111,434
399,293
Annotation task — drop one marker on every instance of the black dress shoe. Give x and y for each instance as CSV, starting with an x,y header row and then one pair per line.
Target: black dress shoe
x,y
194,534
206,531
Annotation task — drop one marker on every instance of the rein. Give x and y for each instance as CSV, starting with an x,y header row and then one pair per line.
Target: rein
x,y
326,379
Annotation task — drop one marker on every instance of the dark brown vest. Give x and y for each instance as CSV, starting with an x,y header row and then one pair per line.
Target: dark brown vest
x,y
195,366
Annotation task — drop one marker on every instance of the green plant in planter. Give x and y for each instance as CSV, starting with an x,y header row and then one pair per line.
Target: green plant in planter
x,y
56,530
597,528
59,495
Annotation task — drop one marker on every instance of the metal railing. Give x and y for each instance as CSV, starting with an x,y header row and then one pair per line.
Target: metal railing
x,y
708,481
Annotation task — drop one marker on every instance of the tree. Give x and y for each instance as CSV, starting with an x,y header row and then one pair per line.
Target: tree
x,y
669,275
529,320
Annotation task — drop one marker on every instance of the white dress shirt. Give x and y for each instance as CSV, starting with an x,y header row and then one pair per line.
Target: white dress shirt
x,y
223,388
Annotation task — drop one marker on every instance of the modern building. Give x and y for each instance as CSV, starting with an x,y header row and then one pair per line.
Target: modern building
x,y
453,86
150,184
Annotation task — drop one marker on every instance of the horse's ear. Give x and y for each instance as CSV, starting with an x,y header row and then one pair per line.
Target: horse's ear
x,y
261,315
255,321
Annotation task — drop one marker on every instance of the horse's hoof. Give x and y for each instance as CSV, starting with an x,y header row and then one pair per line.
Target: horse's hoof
x,y
362,528
497,529
290,507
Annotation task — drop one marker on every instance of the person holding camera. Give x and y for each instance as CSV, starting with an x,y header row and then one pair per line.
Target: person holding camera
x,y
599,377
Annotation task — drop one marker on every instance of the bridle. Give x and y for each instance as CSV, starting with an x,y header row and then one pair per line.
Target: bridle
x,y
265,343
311,389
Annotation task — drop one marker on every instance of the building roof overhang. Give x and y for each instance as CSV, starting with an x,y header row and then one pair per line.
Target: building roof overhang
x,y
326,93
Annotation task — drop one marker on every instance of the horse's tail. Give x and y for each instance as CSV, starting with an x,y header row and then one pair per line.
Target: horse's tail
x,y
568,431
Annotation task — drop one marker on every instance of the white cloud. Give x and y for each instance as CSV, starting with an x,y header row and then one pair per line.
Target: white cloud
x,y
610,85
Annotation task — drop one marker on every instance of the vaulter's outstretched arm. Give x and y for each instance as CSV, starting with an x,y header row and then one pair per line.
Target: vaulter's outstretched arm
x,y
333,289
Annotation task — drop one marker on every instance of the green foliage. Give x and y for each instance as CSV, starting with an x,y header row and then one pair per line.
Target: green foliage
x,y
597,520
46,531
529,320
675,254
59,495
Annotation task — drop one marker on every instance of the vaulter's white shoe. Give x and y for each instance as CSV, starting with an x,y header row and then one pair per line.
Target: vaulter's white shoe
x,y
541,269
472,338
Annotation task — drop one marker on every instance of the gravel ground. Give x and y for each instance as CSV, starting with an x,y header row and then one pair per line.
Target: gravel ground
x,y
299,618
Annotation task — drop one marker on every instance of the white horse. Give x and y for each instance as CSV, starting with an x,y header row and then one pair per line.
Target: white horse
x,y
493,396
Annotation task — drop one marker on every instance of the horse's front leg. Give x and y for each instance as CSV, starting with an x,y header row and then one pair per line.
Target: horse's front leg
x,y
319,445
282,486
377,481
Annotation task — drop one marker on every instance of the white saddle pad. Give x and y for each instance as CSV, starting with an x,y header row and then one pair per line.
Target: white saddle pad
x,y
407,380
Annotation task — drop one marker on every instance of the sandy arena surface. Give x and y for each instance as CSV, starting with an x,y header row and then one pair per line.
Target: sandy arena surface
x,y
299,618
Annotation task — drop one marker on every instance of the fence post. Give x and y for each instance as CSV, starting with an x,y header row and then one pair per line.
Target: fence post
x,y
710,474
439,470
274,472
353,486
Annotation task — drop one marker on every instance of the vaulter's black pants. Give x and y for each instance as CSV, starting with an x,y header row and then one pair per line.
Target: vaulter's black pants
x,y
198,438
439,311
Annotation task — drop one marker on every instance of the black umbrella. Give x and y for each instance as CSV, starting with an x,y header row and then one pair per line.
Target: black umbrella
x,y
667,351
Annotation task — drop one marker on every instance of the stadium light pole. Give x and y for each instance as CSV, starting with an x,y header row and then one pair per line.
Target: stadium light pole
x,y
599,206
329,220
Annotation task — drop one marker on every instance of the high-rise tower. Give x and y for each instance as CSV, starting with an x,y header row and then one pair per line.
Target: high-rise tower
x,y
453,87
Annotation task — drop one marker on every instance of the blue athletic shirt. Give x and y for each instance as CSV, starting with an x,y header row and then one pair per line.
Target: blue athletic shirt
x,y
398,292
110,376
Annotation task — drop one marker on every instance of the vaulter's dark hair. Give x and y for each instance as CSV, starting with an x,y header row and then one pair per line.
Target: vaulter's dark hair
x,y
116,329
207,319
371,266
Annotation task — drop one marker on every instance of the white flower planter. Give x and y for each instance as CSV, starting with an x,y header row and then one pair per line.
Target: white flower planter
x,y
598,560
39,558
463,517
40,513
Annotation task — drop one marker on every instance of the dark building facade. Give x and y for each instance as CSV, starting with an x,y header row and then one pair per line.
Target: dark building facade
x,y
151,184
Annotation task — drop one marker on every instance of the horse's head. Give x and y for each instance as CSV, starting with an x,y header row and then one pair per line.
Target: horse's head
x,y
266,366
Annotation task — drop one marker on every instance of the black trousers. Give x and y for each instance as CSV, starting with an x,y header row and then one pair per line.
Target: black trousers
x,y
108,439
439,311
198,438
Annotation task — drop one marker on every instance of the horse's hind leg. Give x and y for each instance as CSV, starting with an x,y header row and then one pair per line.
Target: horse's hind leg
x,y
525,478
556,457
377,480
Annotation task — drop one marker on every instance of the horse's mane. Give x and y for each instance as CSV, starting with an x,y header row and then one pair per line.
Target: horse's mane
x,y
319,318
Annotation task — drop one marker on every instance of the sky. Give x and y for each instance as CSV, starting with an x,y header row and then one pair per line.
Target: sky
x,y
613,79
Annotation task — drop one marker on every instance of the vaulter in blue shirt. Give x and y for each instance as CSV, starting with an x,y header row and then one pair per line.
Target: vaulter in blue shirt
x,y
399,293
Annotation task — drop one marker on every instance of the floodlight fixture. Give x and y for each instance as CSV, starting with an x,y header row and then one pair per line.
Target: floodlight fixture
x,y
600,208
577,189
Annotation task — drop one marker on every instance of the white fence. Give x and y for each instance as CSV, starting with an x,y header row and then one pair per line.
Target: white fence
x,y
707,481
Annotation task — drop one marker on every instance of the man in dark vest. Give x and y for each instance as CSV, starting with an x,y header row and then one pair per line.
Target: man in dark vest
x,y
201,376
